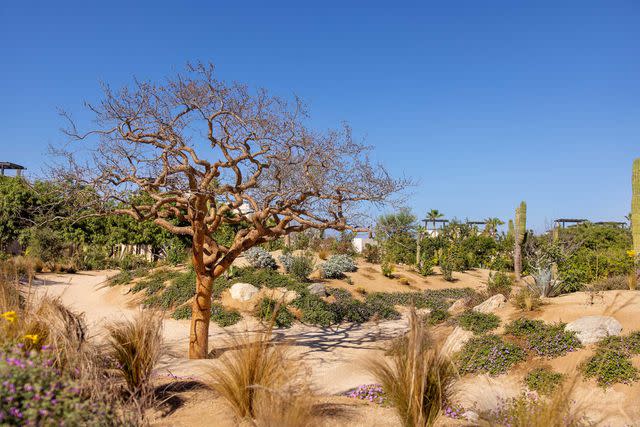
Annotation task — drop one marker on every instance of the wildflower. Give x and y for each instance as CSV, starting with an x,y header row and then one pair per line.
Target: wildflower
x,y
631,253
32,337
10,316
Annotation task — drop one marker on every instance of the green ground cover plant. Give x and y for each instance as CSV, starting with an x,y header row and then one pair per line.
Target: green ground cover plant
x,y
488,354
543,380
478,323
544,339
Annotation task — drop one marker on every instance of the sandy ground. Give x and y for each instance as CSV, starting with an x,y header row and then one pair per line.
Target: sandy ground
x,y
334,357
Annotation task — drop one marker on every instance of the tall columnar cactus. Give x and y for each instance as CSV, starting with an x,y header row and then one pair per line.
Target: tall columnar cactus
x,y
635,206
510,230
520,233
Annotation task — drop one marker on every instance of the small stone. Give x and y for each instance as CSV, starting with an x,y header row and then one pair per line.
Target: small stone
x,y
591,329
491,305
243,291
317,289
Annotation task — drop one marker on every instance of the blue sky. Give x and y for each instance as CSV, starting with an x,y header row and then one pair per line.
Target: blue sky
x,y
484,104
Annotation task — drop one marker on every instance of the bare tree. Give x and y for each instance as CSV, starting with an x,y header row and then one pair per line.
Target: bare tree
x,y
204,153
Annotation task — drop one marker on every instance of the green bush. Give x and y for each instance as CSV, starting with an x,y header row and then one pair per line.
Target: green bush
x,y
259,258
182,312
180,290
269,310
433,299
543,380
499,283
488,354
301,267
435,317
336,266
446,267
544,339
478,323
315,311
371,253
223,316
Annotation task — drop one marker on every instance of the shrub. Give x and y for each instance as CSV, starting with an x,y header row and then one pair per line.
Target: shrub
x,y
371,253
404,281
432,299
488,354
543,339
336,266
527,300
270,310
499,283
181,290
417,377
301,267
36,392
618,282
136,346
478,323
446,267
543,380
223,316
387,269
426,266
261,278
259,258
324,254
436,317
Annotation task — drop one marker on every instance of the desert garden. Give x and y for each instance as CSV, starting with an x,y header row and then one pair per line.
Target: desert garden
x,y
192,261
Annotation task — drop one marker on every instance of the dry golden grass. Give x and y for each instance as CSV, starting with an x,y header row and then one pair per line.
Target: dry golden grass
x,y
136,346
417,377
258,379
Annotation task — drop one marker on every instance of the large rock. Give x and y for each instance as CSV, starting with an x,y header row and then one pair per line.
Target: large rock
x,y
283,295
457,307
317,289
456,340
491,305
243,291
591,329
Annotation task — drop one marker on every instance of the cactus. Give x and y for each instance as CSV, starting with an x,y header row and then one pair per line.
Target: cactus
x,y
520,234
635,206
510,230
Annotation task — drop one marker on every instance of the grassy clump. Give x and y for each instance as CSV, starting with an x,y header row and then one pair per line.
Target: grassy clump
x,y
269,310
156,281
544,339
526,299
478,323
488,354
543,380
417,377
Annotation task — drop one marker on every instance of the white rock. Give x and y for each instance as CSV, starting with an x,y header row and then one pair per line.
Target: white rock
x,y
282,294
456,340
491,305
591,329
243,291
457,307
317,289
471,416
423,311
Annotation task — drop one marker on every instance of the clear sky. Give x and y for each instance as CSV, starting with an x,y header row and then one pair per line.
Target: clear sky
x,y
484,103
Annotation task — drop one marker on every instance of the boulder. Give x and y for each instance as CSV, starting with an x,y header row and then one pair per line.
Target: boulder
x,y
282,294
491,305
243,291
457,307
591,329
317,289
456,340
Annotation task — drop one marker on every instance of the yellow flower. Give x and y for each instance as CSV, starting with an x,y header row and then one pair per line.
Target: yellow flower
x,y
631,253
33,338
10,316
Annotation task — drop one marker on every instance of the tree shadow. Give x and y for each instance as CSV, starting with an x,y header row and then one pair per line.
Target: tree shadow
x,y
168,395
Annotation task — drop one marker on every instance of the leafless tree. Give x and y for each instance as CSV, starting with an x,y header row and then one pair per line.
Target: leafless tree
x,y
204,153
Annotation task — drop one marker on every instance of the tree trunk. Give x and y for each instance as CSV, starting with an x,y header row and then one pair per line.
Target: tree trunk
x,y
418,250
517,260
200,318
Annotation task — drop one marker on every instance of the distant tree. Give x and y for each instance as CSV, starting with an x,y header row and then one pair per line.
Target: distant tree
x,y
491,226
208,154
396,233
434,215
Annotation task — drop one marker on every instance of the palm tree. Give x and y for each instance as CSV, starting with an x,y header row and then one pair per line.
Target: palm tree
x,y
492,225
433,215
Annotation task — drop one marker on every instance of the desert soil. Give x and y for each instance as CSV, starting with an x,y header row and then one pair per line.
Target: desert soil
x,y
334,357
